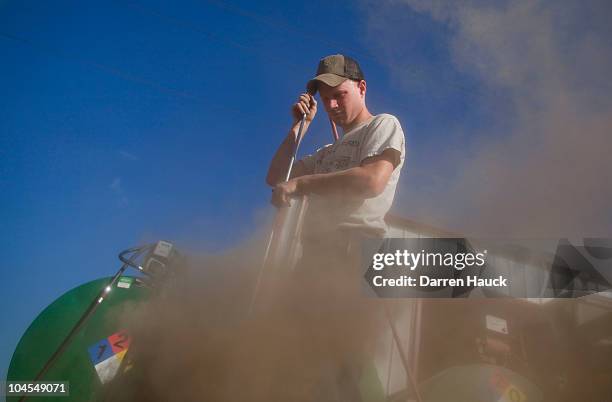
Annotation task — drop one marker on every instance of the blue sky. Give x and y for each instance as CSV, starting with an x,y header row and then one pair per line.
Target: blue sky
x,y
123,123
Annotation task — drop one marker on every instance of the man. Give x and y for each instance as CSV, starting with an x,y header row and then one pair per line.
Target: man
x,y
350,186
351,183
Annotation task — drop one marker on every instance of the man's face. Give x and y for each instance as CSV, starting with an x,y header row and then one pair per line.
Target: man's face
x,y
344,102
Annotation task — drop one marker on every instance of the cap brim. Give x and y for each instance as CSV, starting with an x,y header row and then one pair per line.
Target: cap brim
x,y
330,79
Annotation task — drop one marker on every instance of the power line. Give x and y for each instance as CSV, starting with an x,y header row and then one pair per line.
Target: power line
x,y
114,71
415,72
185,24
99,66
276,23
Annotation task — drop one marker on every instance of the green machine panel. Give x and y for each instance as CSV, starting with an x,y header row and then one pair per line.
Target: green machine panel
x,y
94,354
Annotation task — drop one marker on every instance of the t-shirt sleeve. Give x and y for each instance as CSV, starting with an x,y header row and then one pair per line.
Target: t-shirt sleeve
x,y
384,133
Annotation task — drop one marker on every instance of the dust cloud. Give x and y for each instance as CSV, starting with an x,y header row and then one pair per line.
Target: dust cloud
x,y
542,168
197,339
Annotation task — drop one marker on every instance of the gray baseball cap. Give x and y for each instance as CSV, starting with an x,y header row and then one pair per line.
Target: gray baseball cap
x,y
334,70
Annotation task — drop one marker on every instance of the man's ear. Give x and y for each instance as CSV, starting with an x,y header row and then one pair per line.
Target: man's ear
x,y
362,87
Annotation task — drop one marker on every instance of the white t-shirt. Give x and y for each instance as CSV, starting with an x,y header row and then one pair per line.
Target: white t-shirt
x,y
328,213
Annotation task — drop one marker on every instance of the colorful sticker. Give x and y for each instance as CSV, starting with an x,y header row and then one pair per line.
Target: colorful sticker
x,y
107,354
125,282
513,394
119,342
497,324
507,391
100,351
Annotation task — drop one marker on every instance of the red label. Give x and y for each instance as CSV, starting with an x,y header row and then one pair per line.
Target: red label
x,y
119,341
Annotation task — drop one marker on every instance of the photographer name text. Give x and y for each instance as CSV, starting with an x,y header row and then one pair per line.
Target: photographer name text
x,y
411,261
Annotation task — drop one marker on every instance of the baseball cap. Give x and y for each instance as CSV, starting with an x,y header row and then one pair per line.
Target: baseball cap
x,y
334,70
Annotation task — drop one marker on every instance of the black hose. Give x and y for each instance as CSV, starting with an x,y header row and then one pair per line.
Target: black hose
x,y
91,309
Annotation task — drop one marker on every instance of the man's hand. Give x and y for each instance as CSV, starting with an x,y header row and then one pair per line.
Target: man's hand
x,y
278,166
283,192
305,104
365,181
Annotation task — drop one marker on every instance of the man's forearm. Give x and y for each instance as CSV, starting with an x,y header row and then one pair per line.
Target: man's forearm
x,y
280,161
354,182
